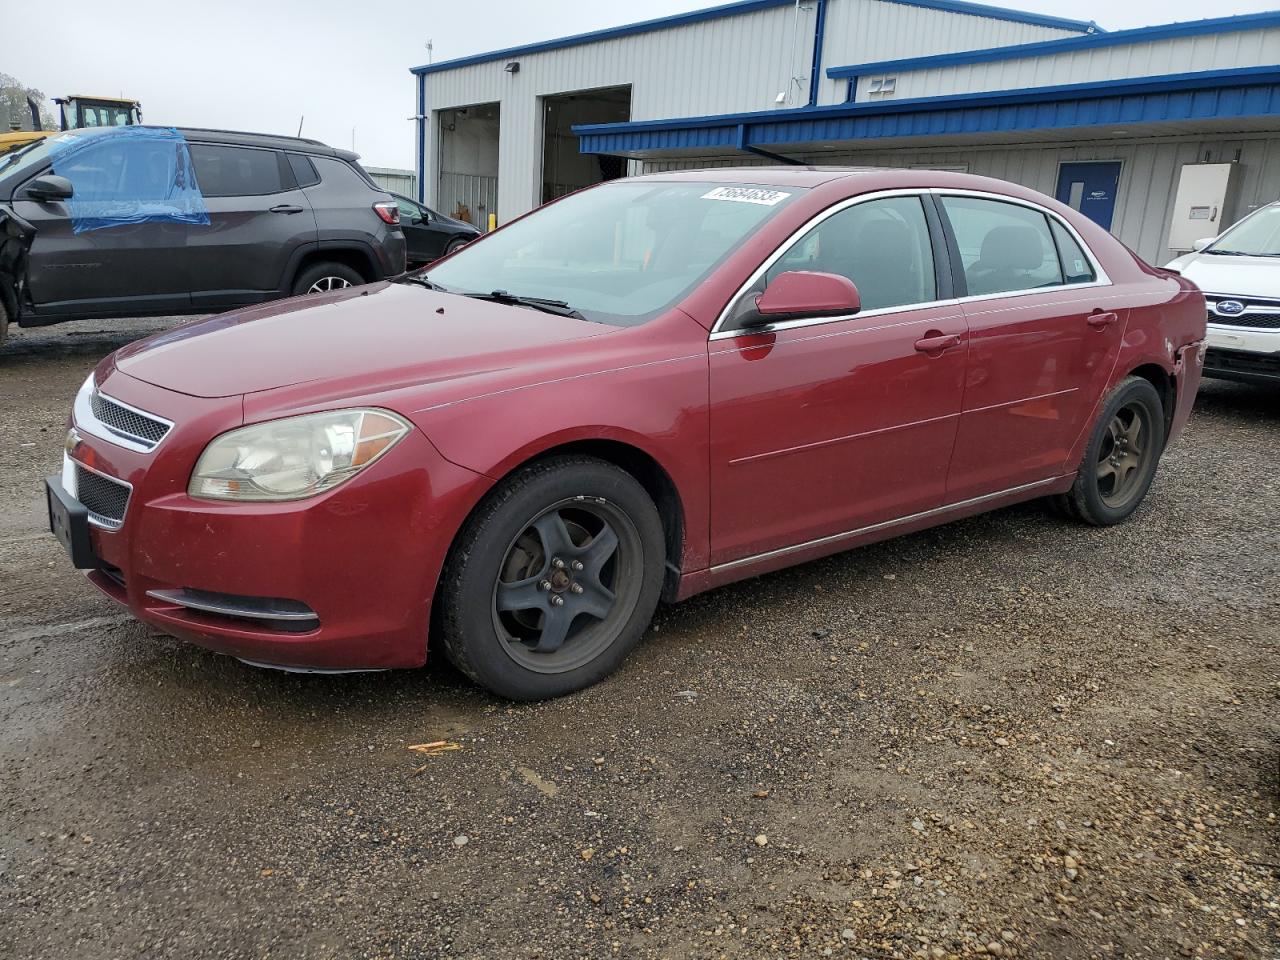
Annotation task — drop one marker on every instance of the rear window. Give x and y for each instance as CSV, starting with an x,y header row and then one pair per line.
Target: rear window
x,y
235,171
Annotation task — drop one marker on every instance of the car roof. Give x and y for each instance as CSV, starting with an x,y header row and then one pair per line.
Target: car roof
x,y
860,179
239,138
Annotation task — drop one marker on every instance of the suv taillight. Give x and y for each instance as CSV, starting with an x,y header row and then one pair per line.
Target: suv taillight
x,y
387,211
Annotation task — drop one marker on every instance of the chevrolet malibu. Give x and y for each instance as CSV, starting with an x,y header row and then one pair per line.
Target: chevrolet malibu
x,y
639,392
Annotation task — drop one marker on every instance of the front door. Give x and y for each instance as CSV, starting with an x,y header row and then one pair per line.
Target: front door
x,y
827,426
1044,336
1090,188
118,246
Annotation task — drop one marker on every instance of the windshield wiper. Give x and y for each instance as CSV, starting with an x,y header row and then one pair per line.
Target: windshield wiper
x,y
421,282
558,307
1240,253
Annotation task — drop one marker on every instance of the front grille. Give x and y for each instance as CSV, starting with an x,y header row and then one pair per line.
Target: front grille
x,y
104,498
1260,313
1258,321
142,429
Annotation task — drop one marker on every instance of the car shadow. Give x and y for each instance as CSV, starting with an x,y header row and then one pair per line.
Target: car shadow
x,y
1245,401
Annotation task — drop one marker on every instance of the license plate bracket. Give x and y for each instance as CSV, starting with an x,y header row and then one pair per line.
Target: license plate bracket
x,y
69,522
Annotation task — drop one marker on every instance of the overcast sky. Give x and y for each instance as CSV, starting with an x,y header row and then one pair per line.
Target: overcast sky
x,y
261,65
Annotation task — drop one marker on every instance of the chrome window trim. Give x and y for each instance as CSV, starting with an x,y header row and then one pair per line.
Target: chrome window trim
x,y
1103,278
719,333
85,419
106,523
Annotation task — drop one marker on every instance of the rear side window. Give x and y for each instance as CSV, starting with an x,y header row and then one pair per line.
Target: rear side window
x,y
235,171
883,246
304,171
1076,267
1004,247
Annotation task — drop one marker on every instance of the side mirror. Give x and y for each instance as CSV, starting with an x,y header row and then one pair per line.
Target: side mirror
x,y
1202,243
49,188
417,219
800,294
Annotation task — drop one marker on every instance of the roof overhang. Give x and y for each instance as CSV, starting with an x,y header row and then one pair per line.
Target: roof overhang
x,y
1205,100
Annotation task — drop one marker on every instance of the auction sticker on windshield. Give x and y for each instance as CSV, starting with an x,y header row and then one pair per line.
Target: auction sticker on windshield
x,y
765,198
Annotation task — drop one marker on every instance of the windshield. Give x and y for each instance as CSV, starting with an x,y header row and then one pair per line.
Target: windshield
x,y
619,253
33,157
1255,236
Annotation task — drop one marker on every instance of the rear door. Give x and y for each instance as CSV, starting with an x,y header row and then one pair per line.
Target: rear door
x,y
260,222
1044,335
99,263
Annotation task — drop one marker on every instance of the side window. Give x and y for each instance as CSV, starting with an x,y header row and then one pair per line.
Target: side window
x,y
120,171
304,171
881,245
1004,247
1075,265
235,171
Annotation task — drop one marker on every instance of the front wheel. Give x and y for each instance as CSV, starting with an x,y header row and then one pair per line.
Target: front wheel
x,y
1121,458
326,277
553,580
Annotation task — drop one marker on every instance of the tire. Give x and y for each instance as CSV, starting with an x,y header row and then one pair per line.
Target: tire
x,y
4,323
454,246
325,277
1120,460
526,629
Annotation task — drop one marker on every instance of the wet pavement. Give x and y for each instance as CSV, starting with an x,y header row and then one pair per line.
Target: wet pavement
x,y
1009,736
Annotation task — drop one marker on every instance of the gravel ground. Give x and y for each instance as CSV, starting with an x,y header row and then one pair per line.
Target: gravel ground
x,y
1009,736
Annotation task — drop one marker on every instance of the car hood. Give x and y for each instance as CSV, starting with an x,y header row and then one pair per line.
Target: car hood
x,y
1239,276
382,335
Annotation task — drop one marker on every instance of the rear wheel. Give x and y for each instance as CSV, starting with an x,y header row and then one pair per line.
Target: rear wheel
x,y
553,580
326,277
4,323
1121,458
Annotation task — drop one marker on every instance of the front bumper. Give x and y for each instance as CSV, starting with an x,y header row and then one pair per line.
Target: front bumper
x,y
1243,353
362,558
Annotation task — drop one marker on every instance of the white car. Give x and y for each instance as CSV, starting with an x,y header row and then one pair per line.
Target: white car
x,y
1239,273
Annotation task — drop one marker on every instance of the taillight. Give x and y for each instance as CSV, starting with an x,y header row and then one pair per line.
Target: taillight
x,y
387,211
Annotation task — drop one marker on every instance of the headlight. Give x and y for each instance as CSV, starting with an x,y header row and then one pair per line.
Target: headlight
x,y
294,458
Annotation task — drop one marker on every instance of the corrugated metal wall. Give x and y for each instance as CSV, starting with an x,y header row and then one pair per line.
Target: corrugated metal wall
x,y
1219,51
866,31
726,65
403,182
1148,177
718,66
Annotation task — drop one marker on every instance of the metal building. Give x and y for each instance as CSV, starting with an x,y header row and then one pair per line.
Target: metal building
x,y
1163,134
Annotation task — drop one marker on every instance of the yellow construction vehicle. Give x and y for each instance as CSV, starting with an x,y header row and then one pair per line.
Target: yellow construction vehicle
x,y
74,112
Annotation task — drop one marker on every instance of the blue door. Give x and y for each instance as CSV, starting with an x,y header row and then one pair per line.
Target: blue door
x,y
1091,189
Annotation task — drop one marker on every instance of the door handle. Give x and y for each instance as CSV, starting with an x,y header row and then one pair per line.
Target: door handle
x,y
286,208
935,342
1100,321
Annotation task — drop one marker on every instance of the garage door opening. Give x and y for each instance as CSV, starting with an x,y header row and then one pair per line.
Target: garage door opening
x,y
564,168
468,187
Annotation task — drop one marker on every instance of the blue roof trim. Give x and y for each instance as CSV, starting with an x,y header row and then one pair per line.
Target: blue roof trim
x,y
1044,48
609,33
1002,13
734,9
1250,91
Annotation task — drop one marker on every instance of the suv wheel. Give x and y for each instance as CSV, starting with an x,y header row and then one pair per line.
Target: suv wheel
x,y
324,277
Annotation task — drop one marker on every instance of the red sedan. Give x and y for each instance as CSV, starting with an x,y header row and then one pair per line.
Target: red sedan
x,y
642,391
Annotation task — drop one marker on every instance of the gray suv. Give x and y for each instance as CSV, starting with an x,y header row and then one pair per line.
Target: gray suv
x,y
151,221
